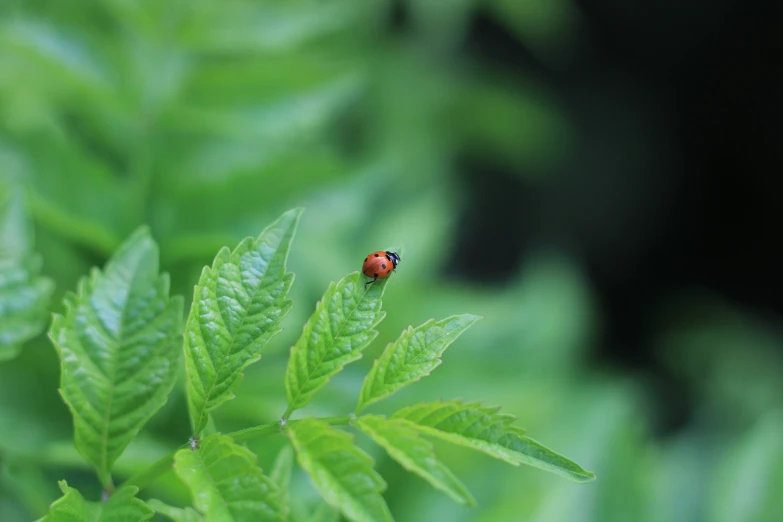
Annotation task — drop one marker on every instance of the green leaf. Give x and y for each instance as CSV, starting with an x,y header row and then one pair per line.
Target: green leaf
x,y
273,28
15,231
414,355
57,52
484,429
176,514
119,350
281,474
24,303
226,484
122,506
237,308
283,466
324,513
340,471
403,443
24,295
340,328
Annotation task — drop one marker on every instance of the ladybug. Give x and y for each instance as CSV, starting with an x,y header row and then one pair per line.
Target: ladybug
x,y
379,265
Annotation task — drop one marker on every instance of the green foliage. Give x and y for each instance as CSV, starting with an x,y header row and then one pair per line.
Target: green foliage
x,y
122,506
118,346
173,513
15,231
204,120
484,429
226,483
341,472
237,308
342,325
404,444
24,298
751,477
414,355
24,294
324,513
282,470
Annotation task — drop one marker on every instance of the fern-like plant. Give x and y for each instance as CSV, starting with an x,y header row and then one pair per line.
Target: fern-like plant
x,y
120,345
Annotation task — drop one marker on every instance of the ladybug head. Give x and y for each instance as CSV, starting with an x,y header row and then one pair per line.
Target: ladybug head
x,y
393,257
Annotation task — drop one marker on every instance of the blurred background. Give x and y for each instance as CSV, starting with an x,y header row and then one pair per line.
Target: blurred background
x,y
600,179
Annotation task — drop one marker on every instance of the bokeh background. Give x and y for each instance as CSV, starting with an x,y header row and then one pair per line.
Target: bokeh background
x,y
600,179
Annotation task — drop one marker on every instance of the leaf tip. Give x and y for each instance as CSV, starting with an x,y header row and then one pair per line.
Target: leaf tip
x,y
141,234
586,477
290,217
141,230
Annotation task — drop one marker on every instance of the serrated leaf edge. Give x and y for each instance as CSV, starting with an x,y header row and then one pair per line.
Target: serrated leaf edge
x,y
362,403
368,461
496,450
195,306
71,302
293,401
462,497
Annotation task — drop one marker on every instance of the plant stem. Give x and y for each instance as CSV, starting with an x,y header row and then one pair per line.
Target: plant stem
x,y
277,427
144,478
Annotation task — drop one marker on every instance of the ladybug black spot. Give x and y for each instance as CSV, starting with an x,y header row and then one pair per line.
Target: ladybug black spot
x,y
366,258
376,255
383,266
375,275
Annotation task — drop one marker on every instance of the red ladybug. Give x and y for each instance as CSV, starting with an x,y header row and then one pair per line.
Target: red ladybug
x,y
379,265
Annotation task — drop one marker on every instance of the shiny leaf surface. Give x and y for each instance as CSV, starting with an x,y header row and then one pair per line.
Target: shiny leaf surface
x,y
340,471
119,346
484,429
237,307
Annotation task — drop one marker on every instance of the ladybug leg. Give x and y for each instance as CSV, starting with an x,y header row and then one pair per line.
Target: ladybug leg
x,y
368,282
